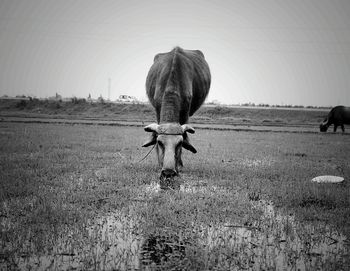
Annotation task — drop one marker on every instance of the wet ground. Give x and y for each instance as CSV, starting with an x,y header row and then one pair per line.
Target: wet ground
x,y
119,240
276,241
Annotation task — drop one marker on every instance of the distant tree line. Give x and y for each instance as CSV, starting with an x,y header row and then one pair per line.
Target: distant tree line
x,y
283,106
100,99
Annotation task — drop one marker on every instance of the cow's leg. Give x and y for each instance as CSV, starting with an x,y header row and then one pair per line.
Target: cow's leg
x,y
158,114
160,162
335,128
181,164
342,127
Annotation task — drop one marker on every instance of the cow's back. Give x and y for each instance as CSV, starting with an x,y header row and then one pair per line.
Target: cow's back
x,y
192,78
340,114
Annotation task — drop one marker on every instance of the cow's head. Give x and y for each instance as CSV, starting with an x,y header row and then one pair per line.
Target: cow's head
x,y
169,138
324,126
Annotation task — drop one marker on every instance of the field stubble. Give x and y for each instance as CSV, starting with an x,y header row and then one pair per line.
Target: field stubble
x,y
75,196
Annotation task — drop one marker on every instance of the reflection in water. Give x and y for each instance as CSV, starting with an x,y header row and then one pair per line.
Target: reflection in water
x,y
107,243
276,241
161,248
280,242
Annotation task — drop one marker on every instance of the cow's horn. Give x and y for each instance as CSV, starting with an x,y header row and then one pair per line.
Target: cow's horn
x,y
151,140
187,145
153,127
187,128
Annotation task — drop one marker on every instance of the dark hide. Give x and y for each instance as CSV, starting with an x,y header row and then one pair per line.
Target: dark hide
x,y
338,116
177,85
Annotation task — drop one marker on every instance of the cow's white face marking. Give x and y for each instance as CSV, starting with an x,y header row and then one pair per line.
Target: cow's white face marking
x,y
169,138
169,153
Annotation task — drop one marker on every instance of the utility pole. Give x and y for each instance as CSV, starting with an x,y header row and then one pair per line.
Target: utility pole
x,y
109,89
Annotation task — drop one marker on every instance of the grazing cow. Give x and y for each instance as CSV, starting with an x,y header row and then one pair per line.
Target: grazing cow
x,y
338,116
177,85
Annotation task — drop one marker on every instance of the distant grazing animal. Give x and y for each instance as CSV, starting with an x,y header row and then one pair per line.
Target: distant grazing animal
x,y
338,116
176,85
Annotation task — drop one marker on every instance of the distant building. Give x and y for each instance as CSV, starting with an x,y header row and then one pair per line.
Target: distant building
x,y
18,97
66,99
57,97
126,99
89,99
214,102
100,99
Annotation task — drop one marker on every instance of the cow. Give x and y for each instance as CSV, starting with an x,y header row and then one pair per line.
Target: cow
x,y
177,85
338,116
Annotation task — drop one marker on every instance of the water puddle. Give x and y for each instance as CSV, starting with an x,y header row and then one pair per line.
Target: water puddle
x,y
115,241
111,242
277,240
280,242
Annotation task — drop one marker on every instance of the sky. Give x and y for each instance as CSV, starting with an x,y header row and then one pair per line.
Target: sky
x,y
264,51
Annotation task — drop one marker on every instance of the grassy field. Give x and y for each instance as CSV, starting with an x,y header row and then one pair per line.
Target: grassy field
x,y
78,197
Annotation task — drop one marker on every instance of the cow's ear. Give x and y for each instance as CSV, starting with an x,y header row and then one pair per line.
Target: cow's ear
x,y
187,128
187,145
153,127
151,140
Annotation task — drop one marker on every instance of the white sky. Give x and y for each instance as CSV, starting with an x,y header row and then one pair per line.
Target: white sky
x,y
277,52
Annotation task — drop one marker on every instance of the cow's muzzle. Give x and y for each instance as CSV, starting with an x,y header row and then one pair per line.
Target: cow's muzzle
x,y
168,173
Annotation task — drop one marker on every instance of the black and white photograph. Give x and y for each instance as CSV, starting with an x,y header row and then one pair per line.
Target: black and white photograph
x,y
175,135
